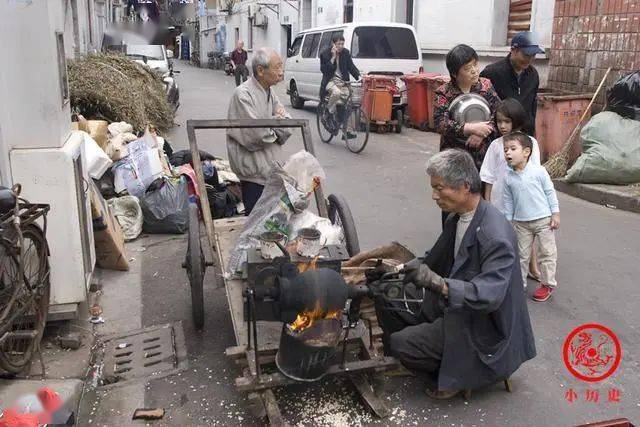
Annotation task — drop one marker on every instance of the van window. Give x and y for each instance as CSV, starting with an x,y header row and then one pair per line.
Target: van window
x,y
295,47
384,43
310,45
325,41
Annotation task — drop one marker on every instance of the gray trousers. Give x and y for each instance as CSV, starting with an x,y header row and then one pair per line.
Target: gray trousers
x,y
241,73
416,340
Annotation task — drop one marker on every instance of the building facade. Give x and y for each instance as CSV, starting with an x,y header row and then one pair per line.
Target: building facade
x,y
269,23
486,25
588,37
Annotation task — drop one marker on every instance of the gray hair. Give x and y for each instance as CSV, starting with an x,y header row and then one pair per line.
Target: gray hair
x,y
456,168
261,58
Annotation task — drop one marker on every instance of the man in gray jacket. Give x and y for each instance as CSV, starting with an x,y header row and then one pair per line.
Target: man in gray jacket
x,y
472,328
252,152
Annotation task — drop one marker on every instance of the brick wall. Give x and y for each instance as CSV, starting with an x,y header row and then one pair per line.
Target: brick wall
x,y
588,37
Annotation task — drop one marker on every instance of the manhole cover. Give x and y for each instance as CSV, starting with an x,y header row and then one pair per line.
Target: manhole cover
x,y
156,352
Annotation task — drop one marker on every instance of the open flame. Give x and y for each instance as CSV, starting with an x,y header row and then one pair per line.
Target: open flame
x,y
306,266
307,318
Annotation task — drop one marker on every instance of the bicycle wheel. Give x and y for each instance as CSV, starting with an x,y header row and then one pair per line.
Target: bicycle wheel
x,y
340,215
324,122
25,313
356,130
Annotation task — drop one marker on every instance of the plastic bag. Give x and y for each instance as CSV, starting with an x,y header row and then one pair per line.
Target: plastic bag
x,y
331,234
222,202
611,151
166,210
282,197
624,96
139,169
128,212
304,169
97,160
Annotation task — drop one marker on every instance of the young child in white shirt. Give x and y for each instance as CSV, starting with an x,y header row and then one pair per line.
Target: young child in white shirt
x,y
510,117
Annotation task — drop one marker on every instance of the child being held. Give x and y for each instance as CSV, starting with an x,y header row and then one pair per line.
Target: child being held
x,y
530,202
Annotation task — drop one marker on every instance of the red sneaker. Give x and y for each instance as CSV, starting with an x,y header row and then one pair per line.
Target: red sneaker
x,y
542,293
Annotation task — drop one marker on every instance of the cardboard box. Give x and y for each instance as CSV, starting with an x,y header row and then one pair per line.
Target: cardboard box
x,y
109,240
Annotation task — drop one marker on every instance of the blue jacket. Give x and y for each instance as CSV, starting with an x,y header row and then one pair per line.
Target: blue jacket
x,y
487,328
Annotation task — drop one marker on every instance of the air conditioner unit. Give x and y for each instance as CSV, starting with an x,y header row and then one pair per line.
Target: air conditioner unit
x,y
59,177
260,20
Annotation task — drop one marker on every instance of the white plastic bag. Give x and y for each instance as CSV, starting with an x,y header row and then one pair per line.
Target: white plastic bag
x,y
138,170
97,160
282,197
128,212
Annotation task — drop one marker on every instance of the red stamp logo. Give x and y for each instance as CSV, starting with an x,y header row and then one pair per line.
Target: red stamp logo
x,y
592,352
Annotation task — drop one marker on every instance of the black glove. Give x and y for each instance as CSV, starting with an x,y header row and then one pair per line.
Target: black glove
x,y
422,276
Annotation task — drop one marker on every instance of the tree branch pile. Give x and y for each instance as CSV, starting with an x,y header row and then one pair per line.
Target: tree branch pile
x,y
115,88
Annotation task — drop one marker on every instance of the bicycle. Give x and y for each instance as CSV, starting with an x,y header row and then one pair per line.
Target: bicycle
x,y
24,279
354,124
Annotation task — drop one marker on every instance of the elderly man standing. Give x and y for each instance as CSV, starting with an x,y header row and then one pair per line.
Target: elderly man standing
x,y
252,152
239,62
472,328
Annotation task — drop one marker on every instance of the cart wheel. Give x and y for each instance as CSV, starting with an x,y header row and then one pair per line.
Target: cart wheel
x,y
195,266
400,120
340,214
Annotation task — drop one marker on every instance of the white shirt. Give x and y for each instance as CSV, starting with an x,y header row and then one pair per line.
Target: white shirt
x,y
494,169
461,229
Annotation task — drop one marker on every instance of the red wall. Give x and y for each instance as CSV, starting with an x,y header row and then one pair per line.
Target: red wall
x,y
588,37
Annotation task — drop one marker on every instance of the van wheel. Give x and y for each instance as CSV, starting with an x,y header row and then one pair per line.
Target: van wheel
x,y
296,101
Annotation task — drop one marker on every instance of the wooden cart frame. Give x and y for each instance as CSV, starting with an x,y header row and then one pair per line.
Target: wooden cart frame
x,y
253,355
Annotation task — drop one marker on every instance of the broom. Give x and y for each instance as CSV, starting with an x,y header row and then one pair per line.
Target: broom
x,y
558,164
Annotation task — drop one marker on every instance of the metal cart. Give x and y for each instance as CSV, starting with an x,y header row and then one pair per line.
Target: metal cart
x,y
258,340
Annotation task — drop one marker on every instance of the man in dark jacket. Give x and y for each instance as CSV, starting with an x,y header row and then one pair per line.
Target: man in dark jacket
x,y
516,77
472,328
336,66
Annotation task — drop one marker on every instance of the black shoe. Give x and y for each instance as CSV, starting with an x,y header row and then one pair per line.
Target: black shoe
x,y
351,135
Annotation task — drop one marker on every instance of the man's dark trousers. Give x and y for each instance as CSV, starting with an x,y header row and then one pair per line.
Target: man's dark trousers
x,y
417,341
241,73
251,192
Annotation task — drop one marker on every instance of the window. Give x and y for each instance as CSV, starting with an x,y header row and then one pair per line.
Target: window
x,y
325,41
384,42
237,36
348,11
409,19
310,45
150,51
519,17
62,68
250,34
295,47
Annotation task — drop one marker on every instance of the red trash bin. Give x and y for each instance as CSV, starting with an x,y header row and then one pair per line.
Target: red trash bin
x,y
417,94
558,114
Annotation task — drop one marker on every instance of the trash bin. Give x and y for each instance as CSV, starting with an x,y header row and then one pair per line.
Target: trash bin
x,y
378,105
433,83
379,81
417,100
558,114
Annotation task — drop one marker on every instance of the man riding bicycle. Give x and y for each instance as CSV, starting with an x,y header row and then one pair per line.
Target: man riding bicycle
x,y
337,66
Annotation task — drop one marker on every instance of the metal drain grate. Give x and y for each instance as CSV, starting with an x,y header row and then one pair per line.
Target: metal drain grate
x,y
155,352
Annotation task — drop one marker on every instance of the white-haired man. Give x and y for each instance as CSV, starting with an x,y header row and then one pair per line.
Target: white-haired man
x,y
472,328
252,152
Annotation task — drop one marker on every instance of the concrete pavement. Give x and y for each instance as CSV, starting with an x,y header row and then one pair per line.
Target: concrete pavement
x,y
388,194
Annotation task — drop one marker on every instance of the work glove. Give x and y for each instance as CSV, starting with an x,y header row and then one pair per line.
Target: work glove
x,y
418,273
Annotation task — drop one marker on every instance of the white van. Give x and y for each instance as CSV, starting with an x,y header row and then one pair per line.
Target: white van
x,y
376,48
